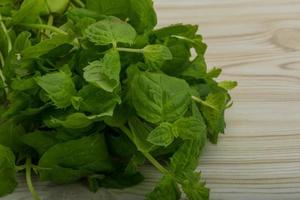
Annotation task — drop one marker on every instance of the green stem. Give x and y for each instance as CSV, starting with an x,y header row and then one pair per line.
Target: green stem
x,y
46,33
151,159
20,168
198,100
127,132
44,26
155,163
79,3
130,50
9,45
2,77
50,20
6,18
29,181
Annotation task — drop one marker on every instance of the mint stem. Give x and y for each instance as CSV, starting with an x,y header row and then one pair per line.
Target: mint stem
x,y
44,26
20,168
29,181
2,77
151,159
9,45
6,18
50,20
155,163
130,50
198,100
78,3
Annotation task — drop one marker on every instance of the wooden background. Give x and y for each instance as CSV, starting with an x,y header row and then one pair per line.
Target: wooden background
x,y
256,42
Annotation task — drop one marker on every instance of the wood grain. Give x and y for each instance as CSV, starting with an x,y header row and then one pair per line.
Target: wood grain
x,y
256,42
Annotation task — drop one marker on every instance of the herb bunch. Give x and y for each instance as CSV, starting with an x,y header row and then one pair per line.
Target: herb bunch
x,y
90,91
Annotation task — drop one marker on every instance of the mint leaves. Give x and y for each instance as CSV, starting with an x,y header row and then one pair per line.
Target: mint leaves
x,y
104,74
62,91
69,161
8,180
91,90
154,98
110,31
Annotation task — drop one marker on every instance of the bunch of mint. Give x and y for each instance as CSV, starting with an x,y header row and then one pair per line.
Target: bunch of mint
x,y
90,91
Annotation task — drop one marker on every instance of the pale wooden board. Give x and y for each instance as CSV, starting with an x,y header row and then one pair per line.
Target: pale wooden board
x,y
256,42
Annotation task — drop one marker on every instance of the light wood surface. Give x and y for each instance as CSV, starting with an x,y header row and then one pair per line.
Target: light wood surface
x,y
257,43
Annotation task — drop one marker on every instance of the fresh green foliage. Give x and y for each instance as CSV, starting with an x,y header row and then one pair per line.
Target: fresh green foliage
x,y
10,133
69,161
96,101
59,86
104,74
90,91
57,6
156,100
111,31
45,46
8,180
162,135
155,55
167,189
40,141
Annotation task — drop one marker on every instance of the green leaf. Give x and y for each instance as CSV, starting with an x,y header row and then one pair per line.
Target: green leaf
x,y
18,101
117,8
40,141
139,134
8,180
196,69
31,9
45,46
156,55
10,134
72,160
110,31
22,42
155,98
195,42
120,116
57,6
83,24
97,101
104,74
59,86
214,114
76,14
185,30
23,84
121,180
194,188
162,135
186,158
228,85
137,160
119,144
181,57
73,121
185,128
142,15
190,128
214,73
4,2
166,189
6,7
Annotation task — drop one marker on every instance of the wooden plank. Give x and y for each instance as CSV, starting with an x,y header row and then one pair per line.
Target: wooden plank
x,y
256,42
